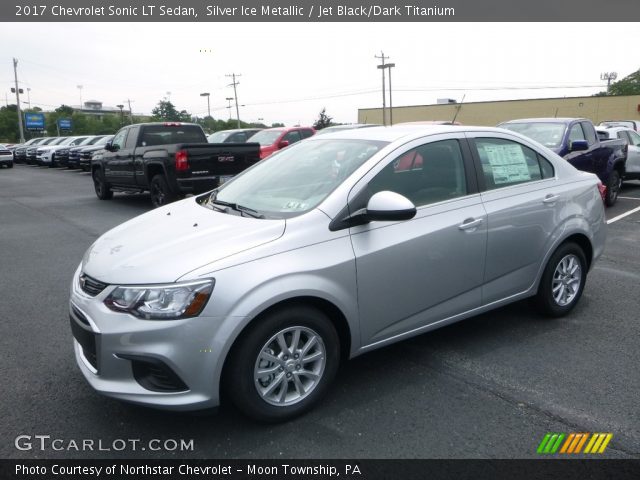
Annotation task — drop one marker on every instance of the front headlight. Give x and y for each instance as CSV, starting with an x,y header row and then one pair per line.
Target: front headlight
x,y
162,302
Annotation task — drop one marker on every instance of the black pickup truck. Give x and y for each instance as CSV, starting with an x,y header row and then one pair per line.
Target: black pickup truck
x,y
168,160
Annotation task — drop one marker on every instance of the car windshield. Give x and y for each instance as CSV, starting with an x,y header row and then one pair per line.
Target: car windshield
x,y
104,140
296,179
218,137
548,134
266,137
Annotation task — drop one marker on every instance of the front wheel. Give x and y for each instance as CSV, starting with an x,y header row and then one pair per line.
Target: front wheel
x,y
161,194
613,188
563,281
103,191
283,365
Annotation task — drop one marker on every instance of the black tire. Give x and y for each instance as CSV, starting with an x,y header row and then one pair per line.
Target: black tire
x,y
102,188
557,276
10,165
613,188
53,161
160,192
241,386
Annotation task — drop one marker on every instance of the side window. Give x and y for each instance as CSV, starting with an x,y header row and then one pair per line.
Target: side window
x,y
119,139
306,133
590,134
635,139
132,137
292,137
238,137
505,163
430,173
576,133
623,136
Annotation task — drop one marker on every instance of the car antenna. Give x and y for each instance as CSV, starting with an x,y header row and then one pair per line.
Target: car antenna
x,y
458,107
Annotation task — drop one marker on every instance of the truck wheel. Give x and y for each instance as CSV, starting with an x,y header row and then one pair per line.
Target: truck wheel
x,y
103,191
613,188
283,364
161,194
562,281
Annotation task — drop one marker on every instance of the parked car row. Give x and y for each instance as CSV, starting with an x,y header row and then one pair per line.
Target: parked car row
x,y
270,139
6,157
59,151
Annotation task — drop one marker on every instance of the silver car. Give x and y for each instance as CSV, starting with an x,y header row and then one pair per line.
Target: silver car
x,y
333,247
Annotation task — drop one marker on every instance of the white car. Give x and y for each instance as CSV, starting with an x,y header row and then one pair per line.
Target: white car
x,y
46,155
632,171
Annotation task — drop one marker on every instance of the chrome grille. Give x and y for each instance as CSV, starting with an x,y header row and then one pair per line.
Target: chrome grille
x,y
91,286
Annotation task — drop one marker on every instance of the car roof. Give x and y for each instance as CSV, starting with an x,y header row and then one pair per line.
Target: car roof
x,y
544,119
397,132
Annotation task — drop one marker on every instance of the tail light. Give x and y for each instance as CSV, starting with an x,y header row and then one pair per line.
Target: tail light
x,y
182,161
603,191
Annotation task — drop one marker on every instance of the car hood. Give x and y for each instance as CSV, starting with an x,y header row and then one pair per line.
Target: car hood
x,y
165,244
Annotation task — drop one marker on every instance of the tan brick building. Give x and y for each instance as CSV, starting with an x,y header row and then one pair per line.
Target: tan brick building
x,y
624,107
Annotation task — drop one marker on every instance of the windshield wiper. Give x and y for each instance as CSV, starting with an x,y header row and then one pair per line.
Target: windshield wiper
x,y
238,208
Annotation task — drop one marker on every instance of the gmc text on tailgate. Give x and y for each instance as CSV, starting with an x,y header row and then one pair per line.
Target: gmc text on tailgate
x,y
168,160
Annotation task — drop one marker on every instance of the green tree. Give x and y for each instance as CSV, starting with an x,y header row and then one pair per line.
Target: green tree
x,y
165,111
323,120
629,85
9,132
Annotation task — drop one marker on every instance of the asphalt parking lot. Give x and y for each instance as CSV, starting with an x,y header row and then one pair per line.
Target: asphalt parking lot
x,y
489,387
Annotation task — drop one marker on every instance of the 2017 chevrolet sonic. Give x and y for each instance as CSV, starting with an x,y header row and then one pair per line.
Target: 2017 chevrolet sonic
x,y
330,248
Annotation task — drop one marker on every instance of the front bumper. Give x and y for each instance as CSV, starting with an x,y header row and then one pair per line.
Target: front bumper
x,y
133,360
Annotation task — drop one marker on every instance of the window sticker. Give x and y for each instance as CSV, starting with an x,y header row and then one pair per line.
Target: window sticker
x,y
508,163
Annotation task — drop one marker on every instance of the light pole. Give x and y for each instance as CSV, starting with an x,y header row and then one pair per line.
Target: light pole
x,y
390,66
608,76
29,97
121,114
206,94
80,90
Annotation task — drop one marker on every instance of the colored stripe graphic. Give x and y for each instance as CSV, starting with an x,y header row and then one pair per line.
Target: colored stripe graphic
x,y
572,443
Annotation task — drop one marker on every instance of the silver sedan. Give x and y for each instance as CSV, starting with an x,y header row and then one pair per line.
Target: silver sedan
x,y
331,248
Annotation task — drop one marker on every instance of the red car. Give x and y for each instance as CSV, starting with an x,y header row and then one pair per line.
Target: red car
x,y
273,139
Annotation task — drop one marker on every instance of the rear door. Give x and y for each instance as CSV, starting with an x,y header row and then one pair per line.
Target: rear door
x,y
414,273
521,197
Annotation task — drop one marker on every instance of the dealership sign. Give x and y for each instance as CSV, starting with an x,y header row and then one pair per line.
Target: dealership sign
x,y
64,123
34,121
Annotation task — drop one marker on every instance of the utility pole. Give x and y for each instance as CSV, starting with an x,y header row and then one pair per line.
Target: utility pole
x,y
608,76
15,75
207,94
384,96
130,114
228,99
235,94
121,115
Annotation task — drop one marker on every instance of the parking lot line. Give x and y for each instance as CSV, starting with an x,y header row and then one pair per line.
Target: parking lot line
x,y
621,216
630,198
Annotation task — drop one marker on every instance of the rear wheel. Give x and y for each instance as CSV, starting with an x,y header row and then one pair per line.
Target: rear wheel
x,y
161,194
283,365
563,281
613,188
103,191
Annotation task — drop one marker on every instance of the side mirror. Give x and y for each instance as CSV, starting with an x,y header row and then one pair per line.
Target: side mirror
x,y
283,143
578,146
389,206
109,146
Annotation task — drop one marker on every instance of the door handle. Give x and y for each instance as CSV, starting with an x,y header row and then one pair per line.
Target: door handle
x,y
470,223
551,198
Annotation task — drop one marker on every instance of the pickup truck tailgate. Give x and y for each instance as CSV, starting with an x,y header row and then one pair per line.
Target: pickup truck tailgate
x,y
219,159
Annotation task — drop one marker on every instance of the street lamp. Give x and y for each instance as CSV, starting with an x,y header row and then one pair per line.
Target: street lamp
x,y
80,89
206,94
29,97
